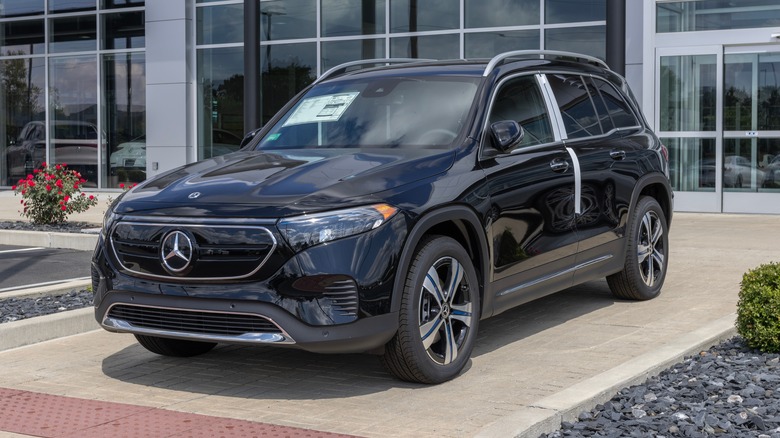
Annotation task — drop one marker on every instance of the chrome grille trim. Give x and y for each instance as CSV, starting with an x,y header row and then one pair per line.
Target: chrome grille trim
x,y
118,324
201,224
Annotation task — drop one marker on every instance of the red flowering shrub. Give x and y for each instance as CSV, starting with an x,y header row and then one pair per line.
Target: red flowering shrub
x,y
51,193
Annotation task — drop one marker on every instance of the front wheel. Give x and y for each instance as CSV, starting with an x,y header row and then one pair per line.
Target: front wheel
x,y
174,347
439,316
648,254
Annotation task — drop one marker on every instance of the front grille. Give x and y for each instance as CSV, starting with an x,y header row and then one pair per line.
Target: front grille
x,y
193,322
219,252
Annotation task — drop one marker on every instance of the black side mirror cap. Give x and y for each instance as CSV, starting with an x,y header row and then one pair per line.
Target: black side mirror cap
x,y
507,134
249,137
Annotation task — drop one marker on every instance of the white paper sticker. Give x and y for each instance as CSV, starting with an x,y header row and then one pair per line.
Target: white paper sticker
x,y
327,108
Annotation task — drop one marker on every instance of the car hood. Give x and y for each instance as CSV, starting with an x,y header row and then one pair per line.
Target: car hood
x,y
281,183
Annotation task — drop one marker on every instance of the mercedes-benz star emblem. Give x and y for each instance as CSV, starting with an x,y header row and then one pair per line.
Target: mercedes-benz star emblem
x,y
194,195
176,251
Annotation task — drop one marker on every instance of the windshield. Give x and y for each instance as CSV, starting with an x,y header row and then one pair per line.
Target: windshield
x,y
418,112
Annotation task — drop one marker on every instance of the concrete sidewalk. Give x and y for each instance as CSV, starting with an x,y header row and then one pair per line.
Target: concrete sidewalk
x,y
532,366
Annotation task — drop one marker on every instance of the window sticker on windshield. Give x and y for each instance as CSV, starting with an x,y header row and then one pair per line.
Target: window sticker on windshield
x,y
274,137
327,108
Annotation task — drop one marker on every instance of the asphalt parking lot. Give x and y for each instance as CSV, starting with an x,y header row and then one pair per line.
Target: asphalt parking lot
x,y
23,267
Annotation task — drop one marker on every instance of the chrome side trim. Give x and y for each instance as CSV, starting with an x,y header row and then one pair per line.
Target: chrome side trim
x,y
120,325
577,181
200,225
555,275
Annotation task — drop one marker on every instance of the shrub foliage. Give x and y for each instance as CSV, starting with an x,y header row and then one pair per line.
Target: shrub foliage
x,y
51,193
758,309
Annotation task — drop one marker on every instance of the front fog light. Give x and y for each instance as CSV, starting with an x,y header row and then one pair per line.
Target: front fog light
x,y
308,230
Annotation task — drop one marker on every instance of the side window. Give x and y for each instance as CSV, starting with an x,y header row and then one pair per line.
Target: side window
x,y
520,99
577,108
618,109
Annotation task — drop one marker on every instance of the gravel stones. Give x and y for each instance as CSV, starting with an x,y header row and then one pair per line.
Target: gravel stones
x,y
65,227
729,391
14,309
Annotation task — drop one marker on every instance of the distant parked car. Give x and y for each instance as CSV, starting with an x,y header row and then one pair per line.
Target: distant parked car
x,y
73,142
131,156
737,172
772,173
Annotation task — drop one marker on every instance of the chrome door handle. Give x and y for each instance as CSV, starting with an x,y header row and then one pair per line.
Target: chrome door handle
x,y
559,165
617,154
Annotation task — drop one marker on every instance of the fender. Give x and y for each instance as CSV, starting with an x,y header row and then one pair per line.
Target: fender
x,y
423,225
666,198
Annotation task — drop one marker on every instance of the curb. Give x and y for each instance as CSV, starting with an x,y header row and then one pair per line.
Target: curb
x,y
47,239
52,289
47,327
548,414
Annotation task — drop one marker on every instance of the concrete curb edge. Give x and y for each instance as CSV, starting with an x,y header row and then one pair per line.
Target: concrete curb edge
x,y
47,239
44,328
546,416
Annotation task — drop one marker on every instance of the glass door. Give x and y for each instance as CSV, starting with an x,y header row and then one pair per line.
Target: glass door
x,y
751,129
688,120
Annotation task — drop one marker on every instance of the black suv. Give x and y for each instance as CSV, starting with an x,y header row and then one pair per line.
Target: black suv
x,y
391,206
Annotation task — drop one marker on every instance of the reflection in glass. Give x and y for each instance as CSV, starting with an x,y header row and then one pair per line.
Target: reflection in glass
x,y
18,8
416,16
22,37
73,34
687,16
125,30
287,19
21,103
749,106
73,137
489,44
494,13
349,17
220,24
220,100
591,40
113,4
338,52
431,47
744,164
688,88
768,159
691,164
286,69
71,5
566,11
124,117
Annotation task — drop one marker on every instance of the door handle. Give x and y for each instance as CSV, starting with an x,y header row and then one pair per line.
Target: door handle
x,y
559,165
617,154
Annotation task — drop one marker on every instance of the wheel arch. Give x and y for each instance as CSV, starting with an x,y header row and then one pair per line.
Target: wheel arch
x,y
458,222
656,186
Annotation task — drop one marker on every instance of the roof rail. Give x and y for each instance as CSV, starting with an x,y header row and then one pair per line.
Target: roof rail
x,y
541,54
342,68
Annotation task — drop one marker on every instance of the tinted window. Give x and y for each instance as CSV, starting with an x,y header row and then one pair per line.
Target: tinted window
x,y
520,100
577,109
618,109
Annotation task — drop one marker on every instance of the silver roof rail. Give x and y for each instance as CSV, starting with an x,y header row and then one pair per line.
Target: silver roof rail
x,y
540,54
342,68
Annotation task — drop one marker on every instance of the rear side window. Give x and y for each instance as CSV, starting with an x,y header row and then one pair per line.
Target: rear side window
x,y
577,109
618,110
520,99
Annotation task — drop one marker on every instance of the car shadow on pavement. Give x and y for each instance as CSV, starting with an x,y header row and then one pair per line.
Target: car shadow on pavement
x,y
285,373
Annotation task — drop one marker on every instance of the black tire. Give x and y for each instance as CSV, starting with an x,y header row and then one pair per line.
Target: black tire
x,y
448,315
647,255
174,347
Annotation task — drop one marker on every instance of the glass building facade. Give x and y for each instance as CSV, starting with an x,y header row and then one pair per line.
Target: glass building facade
x,y
126,89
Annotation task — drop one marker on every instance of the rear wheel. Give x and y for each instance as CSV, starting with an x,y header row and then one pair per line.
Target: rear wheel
x,y
174,347
646,259
439,314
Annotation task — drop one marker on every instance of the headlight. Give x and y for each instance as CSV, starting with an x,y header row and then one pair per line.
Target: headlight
x,y
308,230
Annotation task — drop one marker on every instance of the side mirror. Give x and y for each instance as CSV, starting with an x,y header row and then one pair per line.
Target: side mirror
x,y
249,137
507,134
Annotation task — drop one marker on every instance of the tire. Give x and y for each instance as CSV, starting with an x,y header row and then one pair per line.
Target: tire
x,y
647,256
439,317
174,347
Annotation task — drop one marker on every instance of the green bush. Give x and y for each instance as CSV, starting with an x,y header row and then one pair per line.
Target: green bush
x,y
758,309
